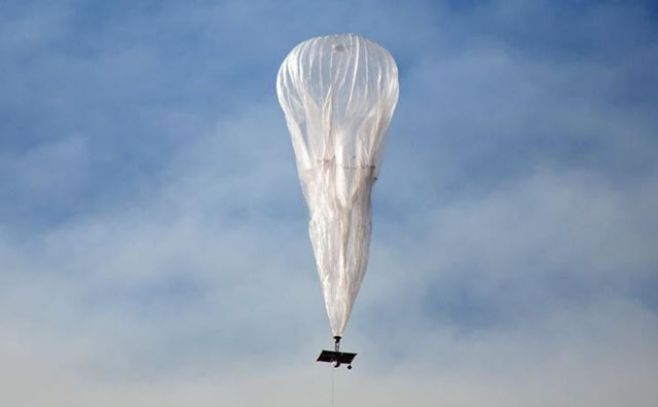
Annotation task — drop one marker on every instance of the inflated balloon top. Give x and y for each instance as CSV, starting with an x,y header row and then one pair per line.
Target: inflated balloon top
x,y
338,93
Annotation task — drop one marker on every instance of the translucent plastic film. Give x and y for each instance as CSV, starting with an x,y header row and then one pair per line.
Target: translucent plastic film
x,y
338,94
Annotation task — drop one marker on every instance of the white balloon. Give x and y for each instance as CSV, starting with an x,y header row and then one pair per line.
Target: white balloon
x,y
338,94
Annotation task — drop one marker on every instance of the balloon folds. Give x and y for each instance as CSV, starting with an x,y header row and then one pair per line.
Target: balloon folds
x,y
338,94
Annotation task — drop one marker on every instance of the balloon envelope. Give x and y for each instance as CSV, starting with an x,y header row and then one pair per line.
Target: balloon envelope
x,y
338,94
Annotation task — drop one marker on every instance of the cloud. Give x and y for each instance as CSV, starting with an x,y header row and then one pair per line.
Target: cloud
x,y
577,371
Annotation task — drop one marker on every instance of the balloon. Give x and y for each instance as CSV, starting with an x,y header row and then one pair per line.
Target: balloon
x,y
338,94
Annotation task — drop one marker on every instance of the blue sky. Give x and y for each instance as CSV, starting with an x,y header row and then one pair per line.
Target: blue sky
x,y
153,242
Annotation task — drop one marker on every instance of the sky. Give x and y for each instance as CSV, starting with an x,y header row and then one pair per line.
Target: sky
x,y
153,234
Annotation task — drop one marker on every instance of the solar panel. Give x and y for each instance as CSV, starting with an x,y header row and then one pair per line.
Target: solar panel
x,y
333,356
